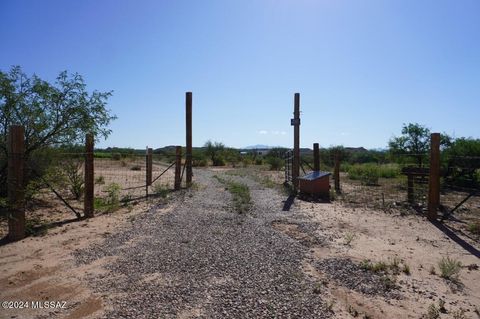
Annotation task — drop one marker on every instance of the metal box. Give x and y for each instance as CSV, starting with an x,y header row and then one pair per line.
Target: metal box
x,y
316,184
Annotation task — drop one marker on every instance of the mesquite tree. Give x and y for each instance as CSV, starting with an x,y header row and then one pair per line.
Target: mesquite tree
x,y
53,114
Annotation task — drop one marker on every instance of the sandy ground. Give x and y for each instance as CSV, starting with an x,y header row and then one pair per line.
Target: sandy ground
x,y
42,268
412,240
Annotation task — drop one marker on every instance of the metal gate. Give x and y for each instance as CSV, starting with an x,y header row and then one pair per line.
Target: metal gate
x,y
288,166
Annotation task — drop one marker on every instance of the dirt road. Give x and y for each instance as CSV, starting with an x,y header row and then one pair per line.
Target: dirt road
x,y
203,259
196,256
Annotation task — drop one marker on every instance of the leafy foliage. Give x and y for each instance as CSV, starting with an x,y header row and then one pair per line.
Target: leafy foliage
x,y
72,169
463,162
214,151
52,114
414,142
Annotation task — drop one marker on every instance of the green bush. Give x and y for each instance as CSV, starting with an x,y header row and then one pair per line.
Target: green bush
x,y
72,169
161,189
369,173
199,162
449,268
219,161
111,202
275,163
259,161
100,180
113,193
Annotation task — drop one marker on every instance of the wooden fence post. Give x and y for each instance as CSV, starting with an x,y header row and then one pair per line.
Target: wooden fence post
x,y
336,172
15,182
316,157
296,141
148,168
188,155
178,167
434,178
88,200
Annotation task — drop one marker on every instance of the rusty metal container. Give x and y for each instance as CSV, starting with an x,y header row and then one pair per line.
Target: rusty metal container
x,y
316,184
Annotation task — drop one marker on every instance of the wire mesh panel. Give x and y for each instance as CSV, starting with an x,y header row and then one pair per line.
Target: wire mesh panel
x,y
55,181
460,185
386,186
288,166
162,175
122,175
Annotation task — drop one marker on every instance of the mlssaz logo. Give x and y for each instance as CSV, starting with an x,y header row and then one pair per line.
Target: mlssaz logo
x,y
49,304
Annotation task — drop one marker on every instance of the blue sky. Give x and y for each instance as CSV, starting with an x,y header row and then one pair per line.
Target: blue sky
x,y
362,67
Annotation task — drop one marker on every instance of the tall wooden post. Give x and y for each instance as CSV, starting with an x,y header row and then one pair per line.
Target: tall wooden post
x,y
434,178
188,155
178,166
15,182
88,208
296,141
148,169
316,157
336,171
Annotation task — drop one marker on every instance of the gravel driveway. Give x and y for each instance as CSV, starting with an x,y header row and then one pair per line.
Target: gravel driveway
x,y
204,260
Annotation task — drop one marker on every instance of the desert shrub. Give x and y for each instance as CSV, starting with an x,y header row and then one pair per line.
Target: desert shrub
x,y
161,189
218,161
462,161
232,156
102,155
474,227
214,150
449,268
113,193
199,162
72,169
111,202
34,226
100,180
116,156
259,161
433,312
275,163
277,152
199,158
367,174
246,161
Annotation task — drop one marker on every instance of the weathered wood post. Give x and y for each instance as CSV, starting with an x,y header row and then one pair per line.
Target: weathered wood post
x,y
178,167
336,171
296,141
434,178
148,170
188,155
88,208
316,157
15,182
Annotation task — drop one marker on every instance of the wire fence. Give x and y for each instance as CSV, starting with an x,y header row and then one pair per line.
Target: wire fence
x,y
387,186
56,179
460,185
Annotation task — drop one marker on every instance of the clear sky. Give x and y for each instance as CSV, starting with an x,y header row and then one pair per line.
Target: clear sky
x,y
362,67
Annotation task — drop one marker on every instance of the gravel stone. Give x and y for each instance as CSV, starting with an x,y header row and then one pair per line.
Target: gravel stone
x,y
207,261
